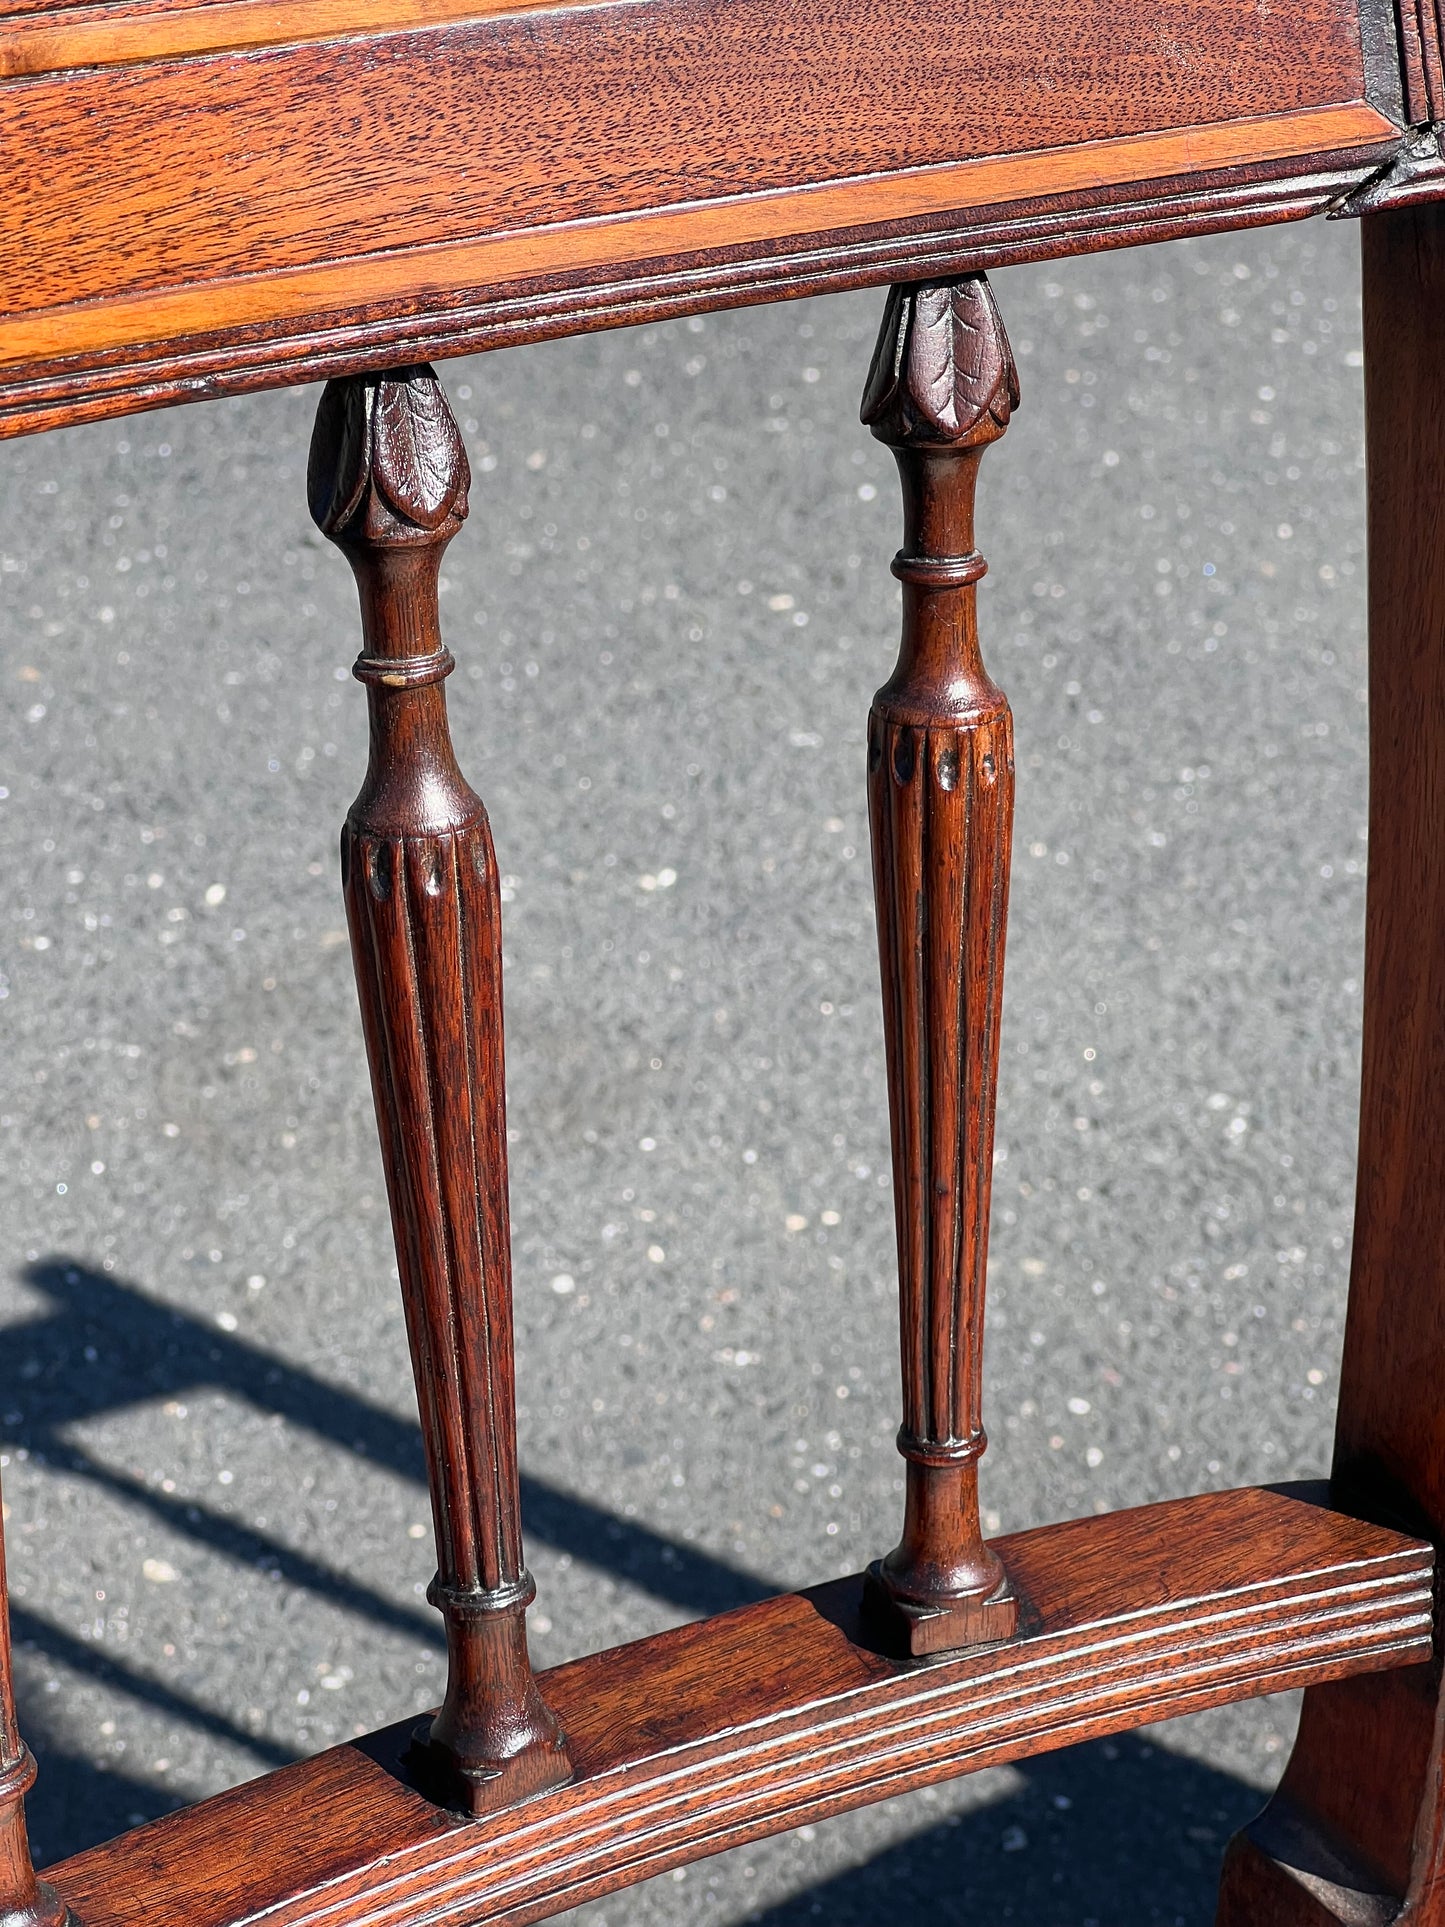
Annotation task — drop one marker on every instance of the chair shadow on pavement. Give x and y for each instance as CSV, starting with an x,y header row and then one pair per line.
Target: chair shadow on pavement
x,y
1120,1833
1115,1832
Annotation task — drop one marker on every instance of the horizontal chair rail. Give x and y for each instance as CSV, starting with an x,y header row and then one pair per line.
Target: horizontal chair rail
x,y
743,1725
448,311
508,171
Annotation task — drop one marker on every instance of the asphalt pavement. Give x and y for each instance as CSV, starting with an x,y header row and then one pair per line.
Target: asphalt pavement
x,y
670,607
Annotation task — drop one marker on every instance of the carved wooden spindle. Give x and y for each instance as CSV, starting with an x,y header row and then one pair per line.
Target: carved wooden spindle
x,y
940,791
387,482
24,1900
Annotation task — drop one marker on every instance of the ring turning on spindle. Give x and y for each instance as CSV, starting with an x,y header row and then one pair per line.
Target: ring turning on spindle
x,y
940,792
388,483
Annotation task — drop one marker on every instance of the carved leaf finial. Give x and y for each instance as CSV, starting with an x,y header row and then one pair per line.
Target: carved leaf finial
x,y
943,371
387,461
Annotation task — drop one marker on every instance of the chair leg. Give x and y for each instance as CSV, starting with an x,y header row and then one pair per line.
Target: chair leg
x,y
940,788
1355,1834
24,1900
388,481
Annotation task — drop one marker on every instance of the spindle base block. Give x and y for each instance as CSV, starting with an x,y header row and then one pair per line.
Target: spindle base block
x,y
44,1908
473,1791
923,1629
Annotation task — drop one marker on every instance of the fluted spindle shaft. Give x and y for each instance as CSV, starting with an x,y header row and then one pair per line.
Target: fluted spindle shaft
x,y
388,483
940,788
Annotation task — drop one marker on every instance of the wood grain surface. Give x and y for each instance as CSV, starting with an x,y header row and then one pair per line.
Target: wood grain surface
x,y
941,390
775,1714
1359,1821
105,312
43,38
387,481
203,204
462,318
1422,45
522,122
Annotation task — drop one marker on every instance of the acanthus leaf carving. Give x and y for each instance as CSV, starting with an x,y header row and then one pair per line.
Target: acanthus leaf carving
x,y
420,464
339,465
943,370
387,461
887,365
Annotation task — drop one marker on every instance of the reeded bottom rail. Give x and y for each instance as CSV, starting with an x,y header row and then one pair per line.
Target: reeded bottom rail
x,y
775,1714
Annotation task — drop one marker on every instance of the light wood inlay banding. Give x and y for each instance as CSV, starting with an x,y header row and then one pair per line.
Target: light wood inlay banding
x,y
743,1725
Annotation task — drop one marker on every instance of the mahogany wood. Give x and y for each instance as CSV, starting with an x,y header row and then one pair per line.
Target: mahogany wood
x,y
446,309
388,483
208,195
1422,48
469,171
776,1714
940,797
1357,1830
24,1900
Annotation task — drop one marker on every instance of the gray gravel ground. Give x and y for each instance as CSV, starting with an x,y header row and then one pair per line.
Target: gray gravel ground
x,y
670,607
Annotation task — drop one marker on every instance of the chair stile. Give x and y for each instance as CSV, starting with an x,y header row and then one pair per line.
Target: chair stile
x,y
523,1795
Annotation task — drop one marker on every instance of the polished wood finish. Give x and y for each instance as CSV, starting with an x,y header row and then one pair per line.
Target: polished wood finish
x,y
941,389
388,484
209,195
586,177
1359,1822
761,1719
24,1900
463,297
653,158
1422,46
55,36
40,37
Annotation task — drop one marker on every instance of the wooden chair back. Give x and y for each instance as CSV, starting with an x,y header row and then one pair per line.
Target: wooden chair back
x,y
209,196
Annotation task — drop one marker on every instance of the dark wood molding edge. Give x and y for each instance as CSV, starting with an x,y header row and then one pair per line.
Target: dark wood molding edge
x,y
1421,56
758,1720
1381,48
121,382
1415,174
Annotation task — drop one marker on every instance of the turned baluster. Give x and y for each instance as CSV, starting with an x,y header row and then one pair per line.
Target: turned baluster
x,y
24,1900
940,789
387,482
